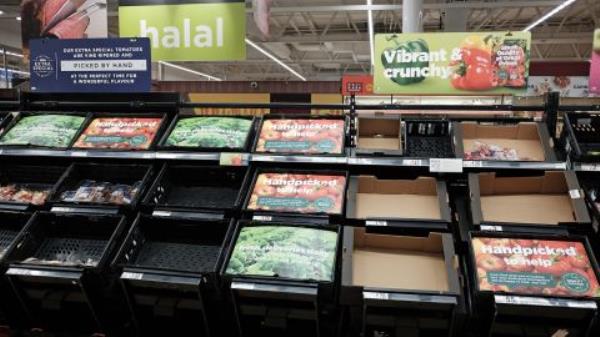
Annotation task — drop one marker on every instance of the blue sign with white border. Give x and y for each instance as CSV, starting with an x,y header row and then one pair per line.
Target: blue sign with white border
x,y
90,65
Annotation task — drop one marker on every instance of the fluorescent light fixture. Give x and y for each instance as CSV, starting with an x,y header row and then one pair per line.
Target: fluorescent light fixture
x,y
272,57
18,18
188,70
371,36
549,14
10,53
19,72
1,12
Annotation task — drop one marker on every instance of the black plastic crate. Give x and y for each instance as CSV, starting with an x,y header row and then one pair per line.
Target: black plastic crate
x,y
60,271
23,114
284,303
114,174
187,188
31,178
11,224
163,124
245,148
581,136
170,269
428,139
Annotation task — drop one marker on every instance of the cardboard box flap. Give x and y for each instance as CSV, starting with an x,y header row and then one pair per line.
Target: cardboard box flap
x,y
418,262
421,185
549,183
386,127
430,244
523,130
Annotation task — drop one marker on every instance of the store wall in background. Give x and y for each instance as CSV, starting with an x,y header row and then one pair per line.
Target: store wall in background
x,y
229,98
326,99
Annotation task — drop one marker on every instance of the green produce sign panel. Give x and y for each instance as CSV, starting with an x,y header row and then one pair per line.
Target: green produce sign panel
x,y
210,132
523,266
43,130
452,63
187,30
284,252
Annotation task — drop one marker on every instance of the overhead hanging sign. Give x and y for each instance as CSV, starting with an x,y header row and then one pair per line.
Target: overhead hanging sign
x,y
595,66
66,19
187,30
90,65
452,63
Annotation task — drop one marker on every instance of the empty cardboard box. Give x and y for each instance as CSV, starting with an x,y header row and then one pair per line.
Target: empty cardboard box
x,y
524,141
406,203
379,135
387,274
551,199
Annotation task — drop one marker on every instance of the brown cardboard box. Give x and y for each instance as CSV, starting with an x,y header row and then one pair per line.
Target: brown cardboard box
x,y
551,199
530,140
399,262
379,135
423,198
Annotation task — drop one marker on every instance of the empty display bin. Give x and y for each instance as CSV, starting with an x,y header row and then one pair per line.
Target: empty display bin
x,y
28,187
410,205
170,269
379,135
59,270
523,141
400,285
187,189
550,202
95,187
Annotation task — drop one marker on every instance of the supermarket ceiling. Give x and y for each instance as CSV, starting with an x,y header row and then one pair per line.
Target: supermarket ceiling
x,y
322,39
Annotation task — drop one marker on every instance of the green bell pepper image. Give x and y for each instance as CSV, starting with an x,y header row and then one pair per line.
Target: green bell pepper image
x,y
412,47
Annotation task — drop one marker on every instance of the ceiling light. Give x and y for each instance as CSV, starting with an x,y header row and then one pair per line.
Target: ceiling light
x,y
549,14
1,12
18,18
272,57
210,77
10,53
371,36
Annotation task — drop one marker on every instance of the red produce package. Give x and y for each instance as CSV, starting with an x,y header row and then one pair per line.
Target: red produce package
x,y
534,267
301,136
298,193
131,133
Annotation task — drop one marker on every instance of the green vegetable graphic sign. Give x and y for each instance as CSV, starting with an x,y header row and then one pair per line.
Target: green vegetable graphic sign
x,y
43,130
285,252
210,132
452,63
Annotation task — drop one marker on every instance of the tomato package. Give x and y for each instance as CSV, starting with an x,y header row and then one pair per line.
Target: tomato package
x,y
304,136
298,193
534,267
129,133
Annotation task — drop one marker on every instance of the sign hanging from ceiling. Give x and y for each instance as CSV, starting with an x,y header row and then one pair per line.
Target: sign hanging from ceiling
x,y
90,65
62,19
187,30
595,66
452,63
357,85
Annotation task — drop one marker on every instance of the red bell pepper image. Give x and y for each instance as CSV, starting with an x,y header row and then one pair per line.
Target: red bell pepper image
x,y
474,71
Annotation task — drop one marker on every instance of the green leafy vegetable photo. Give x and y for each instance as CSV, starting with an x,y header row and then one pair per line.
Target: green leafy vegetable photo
x,y
210,132
43,130
288,252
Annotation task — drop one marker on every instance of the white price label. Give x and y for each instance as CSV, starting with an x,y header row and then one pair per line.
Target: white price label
x,y
376,223
491,228
132,276
164,214
575,194
262,218
449,165
79,154
243,286
372,295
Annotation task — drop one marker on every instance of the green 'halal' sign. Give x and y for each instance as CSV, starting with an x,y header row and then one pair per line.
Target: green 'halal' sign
x,y
187,30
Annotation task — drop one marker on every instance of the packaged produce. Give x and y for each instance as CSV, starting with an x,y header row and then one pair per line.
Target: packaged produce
x,y
133,133
102,192
43,130
299,193
210,132
485,151
538,267
284,252
307,136
24,194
